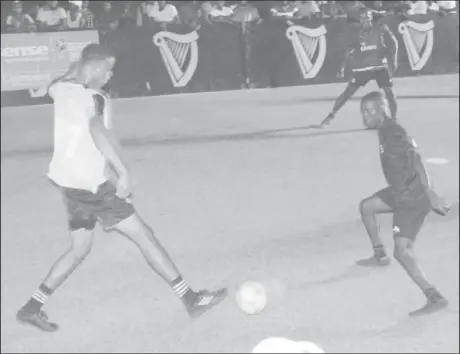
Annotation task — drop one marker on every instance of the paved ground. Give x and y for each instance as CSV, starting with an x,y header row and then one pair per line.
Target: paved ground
x,y
237,188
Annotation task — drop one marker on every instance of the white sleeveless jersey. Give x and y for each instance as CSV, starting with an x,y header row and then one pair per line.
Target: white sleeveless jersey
x,y
73,23
77,162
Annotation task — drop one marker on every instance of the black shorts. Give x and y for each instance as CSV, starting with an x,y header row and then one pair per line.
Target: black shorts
x,y
381,76
408,214
85,208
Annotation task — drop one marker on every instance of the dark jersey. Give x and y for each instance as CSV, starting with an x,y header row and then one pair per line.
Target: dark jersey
x,y
395,148
368,49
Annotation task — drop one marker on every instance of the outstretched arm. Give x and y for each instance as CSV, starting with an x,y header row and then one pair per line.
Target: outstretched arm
x,y
395,45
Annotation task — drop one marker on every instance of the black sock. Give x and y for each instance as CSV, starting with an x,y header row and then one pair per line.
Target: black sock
x,y
183,291
379,251
38,299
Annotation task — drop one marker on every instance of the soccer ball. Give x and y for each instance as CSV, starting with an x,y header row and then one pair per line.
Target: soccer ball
x,y
284,345
251,297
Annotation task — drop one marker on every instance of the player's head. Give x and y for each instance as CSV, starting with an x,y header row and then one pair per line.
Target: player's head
x,y
374,109
17,7
52,4
95,66
365,18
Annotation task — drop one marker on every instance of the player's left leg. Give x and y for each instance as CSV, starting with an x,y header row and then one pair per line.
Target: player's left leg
x,y
120,215
406,225
385,82
380,203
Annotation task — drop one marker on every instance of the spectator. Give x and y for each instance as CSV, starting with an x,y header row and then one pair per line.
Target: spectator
x,y
221,12
88,15
18,21
161,12
307,9
192,14
107,20
286,10
128,16
352,10
51,17
332,9
74,18
448,6
417,8
244,12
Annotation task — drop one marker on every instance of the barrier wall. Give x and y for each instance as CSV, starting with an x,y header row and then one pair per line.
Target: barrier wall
x,y
223,56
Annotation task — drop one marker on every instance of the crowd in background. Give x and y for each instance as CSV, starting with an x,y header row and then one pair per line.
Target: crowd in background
x,y
107,16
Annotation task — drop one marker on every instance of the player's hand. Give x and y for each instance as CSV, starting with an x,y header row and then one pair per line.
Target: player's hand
x,y
123,187
438,205
341,74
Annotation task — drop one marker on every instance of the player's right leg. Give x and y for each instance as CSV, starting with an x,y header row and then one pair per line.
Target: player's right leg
x,y
380,203
81,226
355,83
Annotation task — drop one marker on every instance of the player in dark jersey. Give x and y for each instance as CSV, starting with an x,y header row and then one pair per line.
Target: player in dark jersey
x,y
409,197
368,57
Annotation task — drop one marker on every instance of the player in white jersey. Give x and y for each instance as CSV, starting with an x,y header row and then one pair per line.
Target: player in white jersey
x,y
85,150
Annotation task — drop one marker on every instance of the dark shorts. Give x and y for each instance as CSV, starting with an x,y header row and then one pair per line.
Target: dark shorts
x,y
408,213
381,76
85,209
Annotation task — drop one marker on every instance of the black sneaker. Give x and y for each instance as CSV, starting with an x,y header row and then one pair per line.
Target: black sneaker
x,y
205,301
433,304
37,319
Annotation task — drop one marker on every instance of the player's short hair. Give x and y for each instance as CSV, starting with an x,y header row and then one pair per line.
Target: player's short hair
x,y
374,96
95,52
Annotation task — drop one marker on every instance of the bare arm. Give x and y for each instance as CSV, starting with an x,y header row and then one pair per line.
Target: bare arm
x,y
105,139
395,44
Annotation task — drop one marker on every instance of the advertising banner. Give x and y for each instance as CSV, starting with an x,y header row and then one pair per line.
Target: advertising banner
x,y
32,60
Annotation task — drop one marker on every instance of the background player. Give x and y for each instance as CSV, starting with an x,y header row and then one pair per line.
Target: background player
x,y
83,148
368,58
409,197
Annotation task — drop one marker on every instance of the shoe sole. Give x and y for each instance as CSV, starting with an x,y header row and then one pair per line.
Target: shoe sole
x,y
429,309
373,265
216,301
29,322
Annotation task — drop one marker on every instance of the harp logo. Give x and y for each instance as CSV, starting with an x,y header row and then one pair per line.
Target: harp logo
x,y
418,39
310,49
180,55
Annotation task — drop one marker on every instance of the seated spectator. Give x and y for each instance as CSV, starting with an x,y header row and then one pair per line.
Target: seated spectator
x,y
106,20
332,9
286,10
352,10
161,12
51,17
88,15
307,9
221,12
244,12
128,15
417,8
447,6
74,18
192,14
18,21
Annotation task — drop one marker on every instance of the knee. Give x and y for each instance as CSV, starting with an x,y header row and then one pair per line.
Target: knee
x,y
402,249
365,208
80,250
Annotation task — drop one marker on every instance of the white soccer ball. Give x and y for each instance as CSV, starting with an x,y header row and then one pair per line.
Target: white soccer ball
x,y
251,297
284,345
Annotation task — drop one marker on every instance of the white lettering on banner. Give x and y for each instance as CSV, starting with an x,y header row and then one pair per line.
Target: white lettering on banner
x,y
310,49
180,55
28,51
419,40
31,61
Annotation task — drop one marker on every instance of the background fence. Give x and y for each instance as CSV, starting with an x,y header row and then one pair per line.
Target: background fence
x,y
224,56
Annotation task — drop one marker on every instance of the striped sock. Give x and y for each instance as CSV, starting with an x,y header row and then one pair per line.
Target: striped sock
x,y
38,299
183,291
